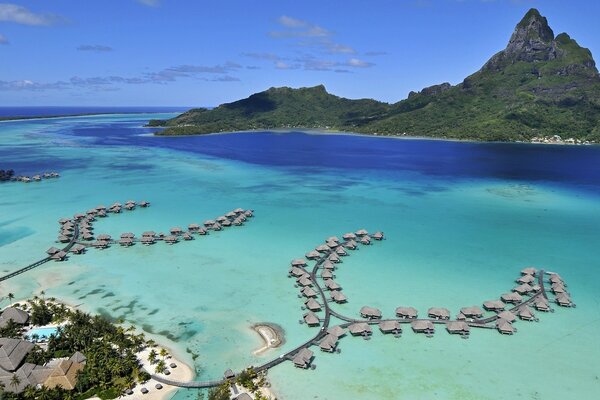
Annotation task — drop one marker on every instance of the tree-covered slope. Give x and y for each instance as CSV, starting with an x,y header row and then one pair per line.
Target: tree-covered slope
x,y
540,85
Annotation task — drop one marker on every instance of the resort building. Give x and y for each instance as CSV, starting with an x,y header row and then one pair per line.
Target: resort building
x,y
422,326
471,312
505,327
13,353
311,319
328,343
360,328
13,314
65,373
406,312
337,330
458,327
303,358
338,296
512,297
438,313
390,327
370,312
494,305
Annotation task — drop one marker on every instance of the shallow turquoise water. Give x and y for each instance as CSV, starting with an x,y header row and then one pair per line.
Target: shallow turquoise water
x,y
451,241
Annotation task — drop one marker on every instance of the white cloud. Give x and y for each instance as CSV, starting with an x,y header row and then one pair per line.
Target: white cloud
x,y
298,28
355,62
292,22
149,3
3,39
21,15
31,85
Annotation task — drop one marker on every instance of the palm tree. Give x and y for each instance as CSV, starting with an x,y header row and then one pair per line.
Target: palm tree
x,y
10,297
42,293
160,367
152,356
15,381
164,353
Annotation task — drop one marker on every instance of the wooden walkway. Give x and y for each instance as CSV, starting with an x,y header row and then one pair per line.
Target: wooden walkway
x,y
44,260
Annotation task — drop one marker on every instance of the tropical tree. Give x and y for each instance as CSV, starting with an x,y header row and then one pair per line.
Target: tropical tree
x,y
15,381
10,297
152,356
160,367
164,353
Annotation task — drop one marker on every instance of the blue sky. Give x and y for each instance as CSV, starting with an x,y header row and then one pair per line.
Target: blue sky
x,y
201,53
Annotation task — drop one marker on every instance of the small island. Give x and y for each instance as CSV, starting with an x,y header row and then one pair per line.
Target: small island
x,y
540,85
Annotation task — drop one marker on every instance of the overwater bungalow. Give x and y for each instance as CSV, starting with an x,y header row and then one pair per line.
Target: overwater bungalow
x,y
249,213
127,235
323,248
202,231
541,304
176,230
529,271
460,317
64,239
217,227
100,244
236,222
101,207
507,315
171,239
512,297
361,232
92,212
312,305
558,288
305,281
332,245
525,288
338,296
406,312
360,328
231,214
350,244
334,258
115,210
365,240
129,206
126,242
422,326
458,327
78,249
193,227
349,236
326,274
390,327
337,331
311,255
297,272
370,312
563,300
79,216
311,319
438,313
66,233
187,236
327,264
308,292
525,313
104,237
68,227
298,262
209,222
241,217
144,203
303,358
328,343
101,213
494,305
148,240
505,327
526,279
554,278
221,218
471,312
340,251
63,221
331,285
149,234
377,235
52,250
87,236
238,210
60,256
36,178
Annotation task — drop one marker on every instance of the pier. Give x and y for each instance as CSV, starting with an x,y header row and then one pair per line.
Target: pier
x,y
327,336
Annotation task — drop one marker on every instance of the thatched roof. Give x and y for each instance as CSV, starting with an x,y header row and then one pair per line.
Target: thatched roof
x,y
311,318
406,312
470,312
360,328
13,352
494,305
389,326
457,327
370,312
15,314
337,331
422,325
64,375
438,312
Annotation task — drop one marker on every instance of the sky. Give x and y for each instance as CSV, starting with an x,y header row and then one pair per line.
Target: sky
x,y
204,53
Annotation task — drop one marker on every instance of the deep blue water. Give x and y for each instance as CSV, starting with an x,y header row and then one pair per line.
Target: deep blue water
x,y
579,165
60,110
571,166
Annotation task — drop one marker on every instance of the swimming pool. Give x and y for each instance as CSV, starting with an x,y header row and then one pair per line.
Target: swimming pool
x,y
43,333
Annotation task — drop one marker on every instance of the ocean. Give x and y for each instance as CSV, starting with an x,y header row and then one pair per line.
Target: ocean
x,y
461,220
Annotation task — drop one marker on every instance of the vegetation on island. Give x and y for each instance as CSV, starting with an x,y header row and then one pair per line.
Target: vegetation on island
x,y
111,365
540,85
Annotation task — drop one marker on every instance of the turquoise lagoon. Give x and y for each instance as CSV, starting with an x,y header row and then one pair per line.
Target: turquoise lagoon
x,y
461,220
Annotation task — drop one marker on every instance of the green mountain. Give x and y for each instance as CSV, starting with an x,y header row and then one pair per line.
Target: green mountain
x,y
539,85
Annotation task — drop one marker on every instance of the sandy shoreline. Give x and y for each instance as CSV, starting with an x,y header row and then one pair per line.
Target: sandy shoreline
x,y
273,336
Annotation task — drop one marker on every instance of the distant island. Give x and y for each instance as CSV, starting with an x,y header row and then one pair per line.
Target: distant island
x,y
538,88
